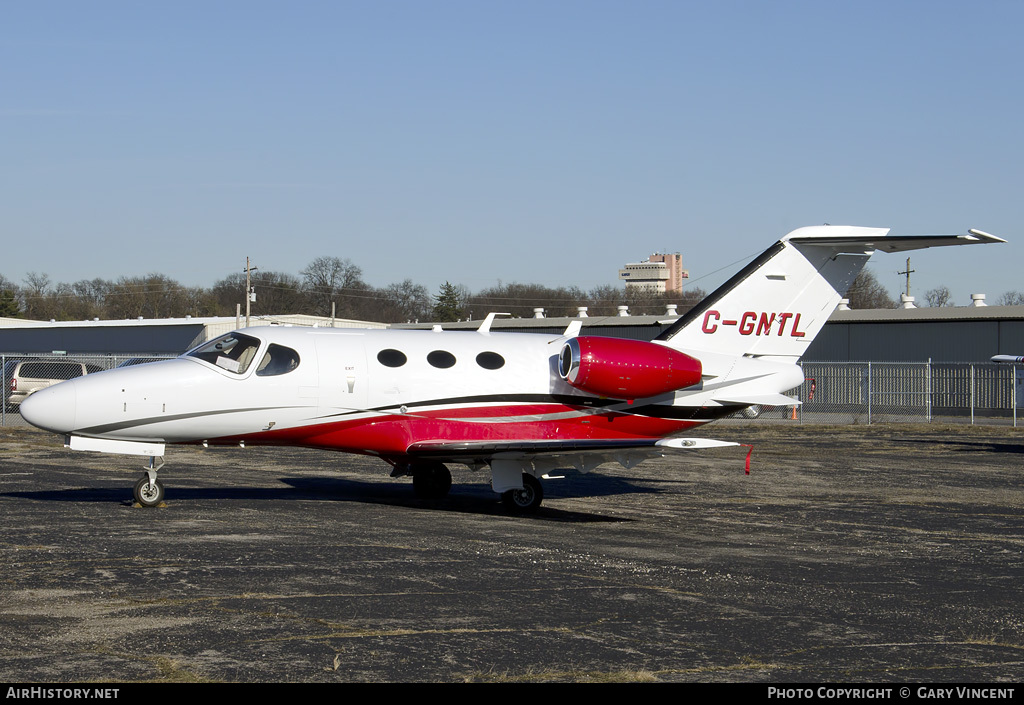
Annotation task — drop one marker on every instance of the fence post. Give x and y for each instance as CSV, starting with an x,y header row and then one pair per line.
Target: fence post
x,y
800,393
928,391
1013,394
869,393
972,393
3,390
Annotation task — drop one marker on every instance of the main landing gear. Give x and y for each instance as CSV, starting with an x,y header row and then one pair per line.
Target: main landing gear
x,y
149,491
433,480
527,499
430,480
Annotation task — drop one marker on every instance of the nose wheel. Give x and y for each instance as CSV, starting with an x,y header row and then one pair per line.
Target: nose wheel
x,y
149,491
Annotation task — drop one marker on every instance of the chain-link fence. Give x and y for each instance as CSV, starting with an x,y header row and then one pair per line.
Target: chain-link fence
x,y
24,374
888,392
832,393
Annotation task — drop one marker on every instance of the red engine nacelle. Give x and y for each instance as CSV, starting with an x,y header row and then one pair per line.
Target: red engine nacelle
x,y
625,369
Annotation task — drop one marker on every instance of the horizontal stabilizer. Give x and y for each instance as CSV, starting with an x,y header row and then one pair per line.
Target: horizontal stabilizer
x,y
693,443
762,399
897,243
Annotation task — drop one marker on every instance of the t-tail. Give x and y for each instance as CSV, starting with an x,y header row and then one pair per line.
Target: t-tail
x,y
775,306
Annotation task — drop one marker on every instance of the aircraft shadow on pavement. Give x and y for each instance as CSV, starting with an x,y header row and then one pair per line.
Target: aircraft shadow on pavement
x,y
463,498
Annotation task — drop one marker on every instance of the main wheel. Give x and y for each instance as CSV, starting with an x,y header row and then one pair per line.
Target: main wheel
x,y
149,494
431,481
527,499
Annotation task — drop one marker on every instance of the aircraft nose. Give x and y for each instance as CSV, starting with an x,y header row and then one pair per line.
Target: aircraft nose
x,y
53,408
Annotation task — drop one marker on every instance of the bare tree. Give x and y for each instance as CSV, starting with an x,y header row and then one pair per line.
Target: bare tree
x,y
70,305
521,299
938,297
1010,298
867,292
401,302
94,292
36,296
332,279
276,293
6,283
154,296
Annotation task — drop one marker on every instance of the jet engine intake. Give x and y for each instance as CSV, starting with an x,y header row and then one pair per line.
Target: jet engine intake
x,y
625,369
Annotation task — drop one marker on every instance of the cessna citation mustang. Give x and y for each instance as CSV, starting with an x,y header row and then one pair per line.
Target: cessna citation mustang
x,y
519,404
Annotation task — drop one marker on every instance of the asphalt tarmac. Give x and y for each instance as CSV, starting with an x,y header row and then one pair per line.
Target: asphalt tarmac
x,y
882,554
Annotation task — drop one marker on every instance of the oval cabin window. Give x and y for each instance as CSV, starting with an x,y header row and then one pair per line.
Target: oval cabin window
x,y
391,358
441,358
490,360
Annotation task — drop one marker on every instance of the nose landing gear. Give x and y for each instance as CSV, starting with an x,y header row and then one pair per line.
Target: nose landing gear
x,y
149,491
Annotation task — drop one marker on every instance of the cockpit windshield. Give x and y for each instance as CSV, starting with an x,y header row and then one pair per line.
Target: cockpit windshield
x,y
233,352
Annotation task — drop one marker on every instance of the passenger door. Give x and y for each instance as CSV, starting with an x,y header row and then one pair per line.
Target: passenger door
x,y
341,357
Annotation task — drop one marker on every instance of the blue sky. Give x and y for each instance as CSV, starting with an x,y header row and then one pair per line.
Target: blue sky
x,y
473,142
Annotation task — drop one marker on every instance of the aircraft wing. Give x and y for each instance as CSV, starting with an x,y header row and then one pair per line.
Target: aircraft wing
x,y
547,455
459,450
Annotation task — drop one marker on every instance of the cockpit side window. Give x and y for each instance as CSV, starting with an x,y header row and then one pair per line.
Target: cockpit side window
x,y
278,360
233,352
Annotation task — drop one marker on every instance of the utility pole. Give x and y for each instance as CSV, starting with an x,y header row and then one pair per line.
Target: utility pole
x,y
908,272
250,294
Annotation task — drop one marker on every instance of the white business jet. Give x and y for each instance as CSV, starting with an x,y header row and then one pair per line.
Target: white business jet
x,y
522,405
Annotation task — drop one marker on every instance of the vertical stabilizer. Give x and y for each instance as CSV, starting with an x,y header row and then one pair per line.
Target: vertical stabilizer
x,y
779,302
